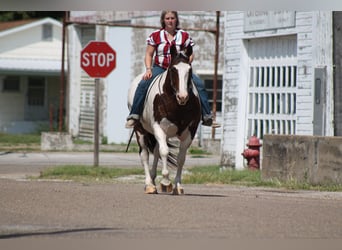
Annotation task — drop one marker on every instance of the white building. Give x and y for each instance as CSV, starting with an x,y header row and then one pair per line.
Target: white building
x,y
278,77
30,65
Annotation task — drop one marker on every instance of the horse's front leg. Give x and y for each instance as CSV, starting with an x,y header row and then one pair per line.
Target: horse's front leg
x,y
183,147
165,183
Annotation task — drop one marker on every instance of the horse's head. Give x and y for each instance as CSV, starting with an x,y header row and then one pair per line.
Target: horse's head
x,y
179,73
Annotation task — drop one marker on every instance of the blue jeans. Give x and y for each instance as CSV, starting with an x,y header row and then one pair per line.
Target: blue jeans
x,y
141,91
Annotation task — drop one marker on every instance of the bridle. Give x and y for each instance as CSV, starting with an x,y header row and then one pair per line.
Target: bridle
x,y
170,72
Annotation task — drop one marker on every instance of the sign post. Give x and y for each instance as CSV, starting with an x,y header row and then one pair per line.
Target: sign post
x,y
98,59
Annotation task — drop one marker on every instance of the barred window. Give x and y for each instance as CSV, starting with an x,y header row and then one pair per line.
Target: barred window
x,y
11,84
36,91
208,84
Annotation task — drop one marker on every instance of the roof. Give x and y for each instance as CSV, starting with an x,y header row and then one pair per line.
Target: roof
x,y
24,63
17,26
14,24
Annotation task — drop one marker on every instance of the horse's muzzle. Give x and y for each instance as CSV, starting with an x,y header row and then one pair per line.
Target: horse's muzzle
x,y
182,99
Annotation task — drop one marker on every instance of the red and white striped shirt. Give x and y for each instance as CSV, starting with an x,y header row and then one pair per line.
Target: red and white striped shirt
x,y
158,39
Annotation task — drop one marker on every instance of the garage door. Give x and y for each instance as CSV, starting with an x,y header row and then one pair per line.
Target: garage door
x,y
272,84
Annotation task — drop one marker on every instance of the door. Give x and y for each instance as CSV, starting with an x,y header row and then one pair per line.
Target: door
x,y
272,85
36,108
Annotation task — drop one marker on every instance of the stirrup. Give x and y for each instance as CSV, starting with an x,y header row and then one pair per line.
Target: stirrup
x,y
215,125
207,122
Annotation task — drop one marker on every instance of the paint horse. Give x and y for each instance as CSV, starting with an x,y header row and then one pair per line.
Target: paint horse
x,y
172,110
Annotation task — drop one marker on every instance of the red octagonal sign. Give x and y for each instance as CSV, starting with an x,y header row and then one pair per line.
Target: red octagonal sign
x,y
98,59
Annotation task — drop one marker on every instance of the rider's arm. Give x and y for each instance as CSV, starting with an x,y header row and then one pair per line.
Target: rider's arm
x,y
148,61
148,56
191,58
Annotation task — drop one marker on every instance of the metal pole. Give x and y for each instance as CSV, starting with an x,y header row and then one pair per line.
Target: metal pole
x,y
100,36
217,35
62,80
96,125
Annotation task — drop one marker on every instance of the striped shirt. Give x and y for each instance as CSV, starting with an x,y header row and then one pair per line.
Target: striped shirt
x,y
158,39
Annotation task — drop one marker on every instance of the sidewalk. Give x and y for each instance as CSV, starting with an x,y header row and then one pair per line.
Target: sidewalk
x,y
34,162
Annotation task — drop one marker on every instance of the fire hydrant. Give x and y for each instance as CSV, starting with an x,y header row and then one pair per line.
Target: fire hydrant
x,y
252,153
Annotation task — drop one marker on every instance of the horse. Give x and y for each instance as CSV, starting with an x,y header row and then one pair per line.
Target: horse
x,y
171,110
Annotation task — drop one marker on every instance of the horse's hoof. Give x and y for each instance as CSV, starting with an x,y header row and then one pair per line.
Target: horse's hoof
x,y
178,190
166,188
150,189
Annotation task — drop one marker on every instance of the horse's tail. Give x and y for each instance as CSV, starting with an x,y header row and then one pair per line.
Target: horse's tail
x,y
172,156
151,142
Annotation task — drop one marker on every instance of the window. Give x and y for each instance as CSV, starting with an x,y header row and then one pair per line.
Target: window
x,y
208,84
36,91
272,99
11,84
47,32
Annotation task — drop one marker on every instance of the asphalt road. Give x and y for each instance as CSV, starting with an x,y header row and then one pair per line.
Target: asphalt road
x,y
69,210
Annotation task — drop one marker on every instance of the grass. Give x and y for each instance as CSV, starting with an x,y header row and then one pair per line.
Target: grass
x,y
213,174
14,139
196,175
19,142
208,175
88,173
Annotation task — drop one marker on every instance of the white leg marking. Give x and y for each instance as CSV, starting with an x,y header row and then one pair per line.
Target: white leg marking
x,y
183,147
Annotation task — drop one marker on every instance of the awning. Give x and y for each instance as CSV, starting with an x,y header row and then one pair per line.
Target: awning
x,y
31,66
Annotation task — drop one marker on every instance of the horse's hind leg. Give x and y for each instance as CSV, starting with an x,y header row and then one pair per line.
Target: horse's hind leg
x,y
153,171
150,187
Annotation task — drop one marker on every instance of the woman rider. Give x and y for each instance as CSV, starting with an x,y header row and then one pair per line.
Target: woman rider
x,y
159,43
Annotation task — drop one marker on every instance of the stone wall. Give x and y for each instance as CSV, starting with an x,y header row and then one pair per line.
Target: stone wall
x,y
55,141
312,159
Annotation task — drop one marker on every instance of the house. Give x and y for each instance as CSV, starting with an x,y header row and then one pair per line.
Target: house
x,y
119,29
282,75
30,65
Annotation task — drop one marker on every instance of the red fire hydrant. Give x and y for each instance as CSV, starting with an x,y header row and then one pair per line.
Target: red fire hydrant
x,y
252,153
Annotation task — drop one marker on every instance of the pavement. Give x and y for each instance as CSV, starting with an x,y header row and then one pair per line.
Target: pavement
x,y
65,210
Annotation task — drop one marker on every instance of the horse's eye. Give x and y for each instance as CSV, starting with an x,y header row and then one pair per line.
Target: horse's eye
x,y
174,70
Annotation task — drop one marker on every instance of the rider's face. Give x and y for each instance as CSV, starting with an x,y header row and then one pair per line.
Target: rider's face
x,y
170,20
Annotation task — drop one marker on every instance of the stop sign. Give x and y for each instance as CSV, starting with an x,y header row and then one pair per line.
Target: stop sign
x,y
98,59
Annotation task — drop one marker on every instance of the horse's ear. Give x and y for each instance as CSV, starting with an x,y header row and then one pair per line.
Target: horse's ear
x,y
188,51
173,51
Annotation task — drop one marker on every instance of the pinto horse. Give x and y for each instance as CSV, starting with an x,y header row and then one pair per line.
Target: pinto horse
x,y
172,110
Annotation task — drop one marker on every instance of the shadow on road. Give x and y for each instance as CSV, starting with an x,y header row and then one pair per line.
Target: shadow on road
x,y
195,195
57,232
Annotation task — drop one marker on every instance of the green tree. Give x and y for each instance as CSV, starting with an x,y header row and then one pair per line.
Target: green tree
x,y
22,15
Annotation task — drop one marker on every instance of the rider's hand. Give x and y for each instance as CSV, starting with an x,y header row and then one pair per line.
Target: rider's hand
x,y
148,74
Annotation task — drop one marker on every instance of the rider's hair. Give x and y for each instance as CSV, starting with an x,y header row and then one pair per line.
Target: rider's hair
x,y
162,17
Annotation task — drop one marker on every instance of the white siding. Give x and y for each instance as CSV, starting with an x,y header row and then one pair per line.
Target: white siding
x,y
314,49
231,79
